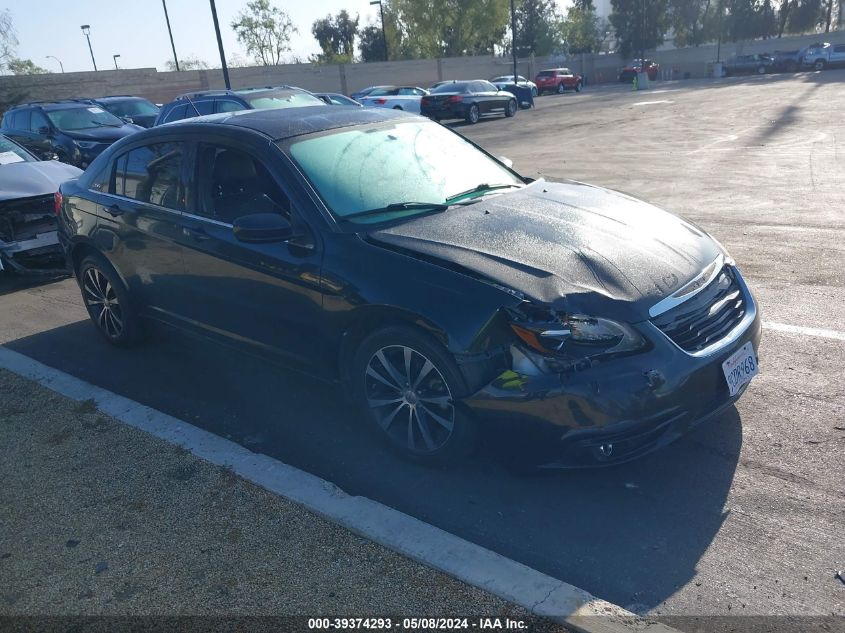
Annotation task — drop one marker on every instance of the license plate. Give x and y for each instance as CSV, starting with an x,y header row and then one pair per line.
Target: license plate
x,y
740,367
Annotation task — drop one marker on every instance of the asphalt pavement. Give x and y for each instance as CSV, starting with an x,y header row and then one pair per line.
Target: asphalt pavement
x,y
745,515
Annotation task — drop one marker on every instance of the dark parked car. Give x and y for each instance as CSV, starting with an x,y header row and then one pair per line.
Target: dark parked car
x,y
74,130
28,241
131,109
468,100
786,61
334,98
449,294
758,64
215,101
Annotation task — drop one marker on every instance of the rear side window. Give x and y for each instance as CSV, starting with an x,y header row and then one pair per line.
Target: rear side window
x,y
839,49
176,114
153,174
17,120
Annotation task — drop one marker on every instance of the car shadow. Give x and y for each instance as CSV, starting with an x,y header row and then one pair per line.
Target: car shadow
x,y
632,534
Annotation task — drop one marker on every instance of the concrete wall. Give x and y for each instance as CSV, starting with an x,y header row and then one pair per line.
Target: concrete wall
x,y
161,87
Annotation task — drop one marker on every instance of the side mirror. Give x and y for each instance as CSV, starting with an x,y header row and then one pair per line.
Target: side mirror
x,y
507,162
262,228
127,119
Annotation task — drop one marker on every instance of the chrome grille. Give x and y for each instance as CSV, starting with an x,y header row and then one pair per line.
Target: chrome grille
x,y
707,317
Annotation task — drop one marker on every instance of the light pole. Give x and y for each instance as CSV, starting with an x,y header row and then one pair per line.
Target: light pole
x,y
172,45
383,32
513,42
220,45
115,61
61,65
87,30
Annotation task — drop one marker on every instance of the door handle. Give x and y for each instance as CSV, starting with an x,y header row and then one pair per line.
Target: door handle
x,y
198,234
114,210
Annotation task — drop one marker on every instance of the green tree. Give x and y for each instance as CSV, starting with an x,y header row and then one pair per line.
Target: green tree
x,y
189,63
581,29
640,25
449,28
690,20
265,31
336,37
537,27
371,44
804,16
19,66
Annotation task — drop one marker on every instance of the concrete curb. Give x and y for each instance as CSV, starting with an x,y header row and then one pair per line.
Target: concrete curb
x,y
427,544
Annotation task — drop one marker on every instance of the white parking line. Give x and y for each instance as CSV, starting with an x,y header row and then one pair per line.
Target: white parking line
x,y
641,103
517,583
806,331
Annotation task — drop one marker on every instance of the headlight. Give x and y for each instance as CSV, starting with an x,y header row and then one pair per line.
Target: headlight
x,y
576,336
87,144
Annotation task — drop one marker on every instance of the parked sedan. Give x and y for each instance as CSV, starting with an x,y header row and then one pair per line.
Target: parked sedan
x,y
448,294
395,97
558,80
507,80
28,241
757,64
468,100
334,98
364,92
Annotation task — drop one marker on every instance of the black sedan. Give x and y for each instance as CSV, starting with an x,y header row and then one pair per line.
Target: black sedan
x,y
468,100
446,292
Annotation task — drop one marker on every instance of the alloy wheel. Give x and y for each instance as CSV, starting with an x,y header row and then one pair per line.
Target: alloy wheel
x,y
102,302
410,399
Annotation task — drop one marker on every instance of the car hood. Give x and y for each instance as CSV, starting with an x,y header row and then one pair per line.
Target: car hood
x,y
24,180
104,134
579,248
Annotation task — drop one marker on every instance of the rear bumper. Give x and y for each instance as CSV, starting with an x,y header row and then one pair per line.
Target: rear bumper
x,y
636,404
457,111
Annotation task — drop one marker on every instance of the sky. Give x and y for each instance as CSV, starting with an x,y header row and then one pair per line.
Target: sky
x,y
137,31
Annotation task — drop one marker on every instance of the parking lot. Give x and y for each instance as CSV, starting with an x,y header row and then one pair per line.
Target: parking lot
x,y
744,516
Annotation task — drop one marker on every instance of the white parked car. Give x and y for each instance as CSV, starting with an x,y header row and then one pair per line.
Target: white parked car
x,y
507,80
396,97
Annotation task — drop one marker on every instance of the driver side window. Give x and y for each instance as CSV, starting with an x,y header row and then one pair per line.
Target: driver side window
x,y
38,121
232,183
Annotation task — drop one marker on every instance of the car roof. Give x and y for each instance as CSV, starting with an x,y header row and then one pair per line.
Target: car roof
x,y
284,123
54,105
118,97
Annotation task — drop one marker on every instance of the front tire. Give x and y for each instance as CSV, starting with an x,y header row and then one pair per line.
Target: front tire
x,y
761,70
510,109
473,115
407,385
560,88
578,87
819,64
107,301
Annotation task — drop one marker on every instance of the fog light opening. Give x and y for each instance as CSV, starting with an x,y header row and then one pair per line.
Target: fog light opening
x,y
604,451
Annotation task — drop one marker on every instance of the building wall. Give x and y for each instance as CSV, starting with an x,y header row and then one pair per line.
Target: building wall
x,y
161,87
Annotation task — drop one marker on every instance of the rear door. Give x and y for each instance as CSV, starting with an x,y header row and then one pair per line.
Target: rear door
x,y
265,295
837,55
139,222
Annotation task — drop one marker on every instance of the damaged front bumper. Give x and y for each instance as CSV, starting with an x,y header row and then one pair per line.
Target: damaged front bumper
x,y
615,411
29,243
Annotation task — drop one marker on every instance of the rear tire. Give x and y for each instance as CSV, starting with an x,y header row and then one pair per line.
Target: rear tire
x,y
560,88
819,64
407,385
761,70
107,301
473,115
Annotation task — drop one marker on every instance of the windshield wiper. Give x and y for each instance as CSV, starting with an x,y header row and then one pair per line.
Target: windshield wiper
x,y
483,187
101,124
399,206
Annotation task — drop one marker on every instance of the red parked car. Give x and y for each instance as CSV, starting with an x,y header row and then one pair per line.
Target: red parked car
x,y
627,74
558,80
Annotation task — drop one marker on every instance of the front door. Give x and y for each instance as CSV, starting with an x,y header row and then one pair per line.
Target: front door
x,y
265,295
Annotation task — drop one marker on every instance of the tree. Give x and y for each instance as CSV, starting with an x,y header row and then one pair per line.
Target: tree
x,y
19,66
265,30
537,27
690,21
336,37
639,24
189,63
449,28
804,16
8,39
371,44
581,29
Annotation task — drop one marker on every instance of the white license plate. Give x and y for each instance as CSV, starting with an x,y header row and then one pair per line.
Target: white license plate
x,y
740,367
